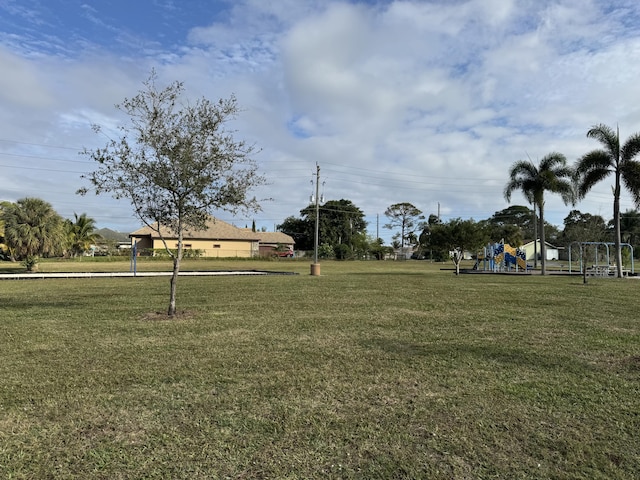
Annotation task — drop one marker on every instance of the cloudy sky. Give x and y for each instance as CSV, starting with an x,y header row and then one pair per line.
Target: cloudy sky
x,y
420,101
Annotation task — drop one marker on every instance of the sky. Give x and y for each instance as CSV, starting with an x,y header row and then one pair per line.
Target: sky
x,y
422,101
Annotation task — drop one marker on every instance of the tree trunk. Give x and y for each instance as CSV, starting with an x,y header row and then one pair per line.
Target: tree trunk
x,y
616,221
535,239
174,280
543,246
174,277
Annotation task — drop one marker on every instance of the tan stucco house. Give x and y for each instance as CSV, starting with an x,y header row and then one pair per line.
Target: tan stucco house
x,y
219,239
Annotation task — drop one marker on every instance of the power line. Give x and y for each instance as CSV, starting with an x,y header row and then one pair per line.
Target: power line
x,y
21,155
39,144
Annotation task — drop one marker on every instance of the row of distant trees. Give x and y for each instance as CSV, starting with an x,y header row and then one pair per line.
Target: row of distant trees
x,y
30,228
342,230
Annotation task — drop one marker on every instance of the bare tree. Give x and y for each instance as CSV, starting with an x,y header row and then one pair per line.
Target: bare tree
x,y
177,163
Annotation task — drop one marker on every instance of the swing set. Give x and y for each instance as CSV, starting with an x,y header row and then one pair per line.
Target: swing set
x,y
600,269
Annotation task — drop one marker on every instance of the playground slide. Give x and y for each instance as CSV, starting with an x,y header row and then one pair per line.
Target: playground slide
x,y
502,255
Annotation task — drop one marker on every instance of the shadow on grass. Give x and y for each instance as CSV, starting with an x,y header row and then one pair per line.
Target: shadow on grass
x,y
485,353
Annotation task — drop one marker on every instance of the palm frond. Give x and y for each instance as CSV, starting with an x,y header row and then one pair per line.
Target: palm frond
x,y
631,148
594,160
552,161
589,180
607,137
566,190
591,169
552,175
520,175
630,173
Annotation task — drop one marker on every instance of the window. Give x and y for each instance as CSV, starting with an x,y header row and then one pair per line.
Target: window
x,y
216,245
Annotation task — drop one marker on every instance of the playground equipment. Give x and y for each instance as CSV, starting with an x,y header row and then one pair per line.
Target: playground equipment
x,y
501,257
596,269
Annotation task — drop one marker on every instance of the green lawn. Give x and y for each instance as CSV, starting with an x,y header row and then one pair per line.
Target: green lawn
x,y
372,370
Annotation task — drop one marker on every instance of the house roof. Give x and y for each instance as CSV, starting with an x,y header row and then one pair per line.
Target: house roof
x,y
216,230
275,237
530,243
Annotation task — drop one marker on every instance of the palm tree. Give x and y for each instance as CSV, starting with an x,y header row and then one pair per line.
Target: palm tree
x,y
81,233
31,228
4,251
598,164
553,175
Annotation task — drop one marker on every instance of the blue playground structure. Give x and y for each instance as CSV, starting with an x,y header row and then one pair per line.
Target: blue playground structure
x,y
501,257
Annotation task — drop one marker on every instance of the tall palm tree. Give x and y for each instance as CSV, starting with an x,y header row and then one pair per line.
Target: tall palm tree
x,y
553,175
598,164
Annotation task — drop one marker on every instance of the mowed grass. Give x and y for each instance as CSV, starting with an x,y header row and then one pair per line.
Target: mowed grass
x,y
372,370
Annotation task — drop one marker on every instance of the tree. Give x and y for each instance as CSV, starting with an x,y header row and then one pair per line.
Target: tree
x,y
509,233
177,163
456,237
514,215
378,249
553,175
630,227
301,230
598,164
32,229
4,253
81,234
361,245
583,227
404,216
424,238
341,222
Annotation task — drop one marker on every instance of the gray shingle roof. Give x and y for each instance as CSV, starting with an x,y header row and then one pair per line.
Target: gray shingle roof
x,y
275,237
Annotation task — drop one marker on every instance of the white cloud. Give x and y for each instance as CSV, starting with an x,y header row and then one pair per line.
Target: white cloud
x,y
419,101
20,84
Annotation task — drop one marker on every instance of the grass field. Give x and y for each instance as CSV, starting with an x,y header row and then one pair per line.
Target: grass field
x,y
372,370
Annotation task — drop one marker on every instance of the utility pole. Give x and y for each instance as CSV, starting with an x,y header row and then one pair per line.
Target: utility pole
x,y
315,266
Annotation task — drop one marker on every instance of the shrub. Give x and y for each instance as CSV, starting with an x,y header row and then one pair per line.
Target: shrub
x,y
30,262
343,251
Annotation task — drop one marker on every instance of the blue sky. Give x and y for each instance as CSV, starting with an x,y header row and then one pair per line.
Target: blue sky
x,y
427,102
